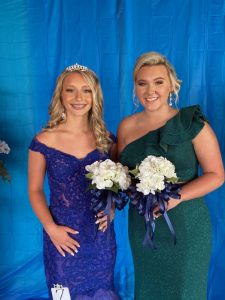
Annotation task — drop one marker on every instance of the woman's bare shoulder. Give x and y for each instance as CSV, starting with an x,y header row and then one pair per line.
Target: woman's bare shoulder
x,y
127,130
47,136
129,122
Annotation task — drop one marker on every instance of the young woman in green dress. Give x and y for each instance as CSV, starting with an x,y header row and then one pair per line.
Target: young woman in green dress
x,y
185,138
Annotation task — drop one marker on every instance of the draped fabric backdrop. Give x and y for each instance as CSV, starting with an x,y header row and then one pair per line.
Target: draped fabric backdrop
x,y
39,38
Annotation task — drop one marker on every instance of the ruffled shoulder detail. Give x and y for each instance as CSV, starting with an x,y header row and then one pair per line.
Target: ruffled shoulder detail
x,y
183,127
37,146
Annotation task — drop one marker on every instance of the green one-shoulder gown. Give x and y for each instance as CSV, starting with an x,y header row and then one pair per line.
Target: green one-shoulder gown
x,y
172,272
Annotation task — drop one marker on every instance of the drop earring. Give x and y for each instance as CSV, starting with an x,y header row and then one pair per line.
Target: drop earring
x,y
135,101
63,116
170,100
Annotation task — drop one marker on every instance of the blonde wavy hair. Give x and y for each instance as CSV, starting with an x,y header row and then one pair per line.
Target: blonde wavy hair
x,y
154,59
56,108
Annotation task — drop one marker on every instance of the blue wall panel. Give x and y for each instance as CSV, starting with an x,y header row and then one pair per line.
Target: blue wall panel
x,y
38,40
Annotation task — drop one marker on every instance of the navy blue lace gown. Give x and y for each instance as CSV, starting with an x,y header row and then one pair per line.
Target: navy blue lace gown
x,y
89,273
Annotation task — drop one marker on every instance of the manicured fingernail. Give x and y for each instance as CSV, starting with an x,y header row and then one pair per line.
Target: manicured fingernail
x,y
76,251
72,253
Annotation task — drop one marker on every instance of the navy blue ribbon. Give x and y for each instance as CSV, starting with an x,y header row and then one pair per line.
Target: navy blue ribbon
x,y
102,200
145,205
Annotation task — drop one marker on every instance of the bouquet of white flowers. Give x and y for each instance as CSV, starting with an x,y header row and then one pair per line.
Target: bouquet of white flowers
x,y
4,148
156,184
108,181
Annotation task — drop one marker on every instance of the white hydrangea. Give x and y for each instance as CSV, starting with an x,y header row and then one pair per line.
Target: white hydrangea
x,y
4,148
122,176
152,174
106,174
150,183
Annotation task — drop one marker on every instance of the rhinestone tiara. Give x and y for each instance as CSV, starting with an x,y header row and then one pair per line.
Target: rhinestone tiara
x,y
76,67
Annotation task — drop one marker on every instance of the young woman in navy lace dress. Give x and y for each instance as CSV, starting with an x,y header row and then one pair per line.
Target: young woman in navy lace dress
x,y
79,249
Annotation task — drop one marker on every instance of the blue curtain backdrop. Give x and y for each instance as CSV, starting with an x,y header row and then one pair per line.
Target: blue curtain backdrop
x,y
38,39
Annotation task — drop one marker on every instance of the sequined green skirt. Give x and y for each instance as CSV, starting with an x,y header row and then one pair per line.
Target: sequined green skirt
x,y
173,272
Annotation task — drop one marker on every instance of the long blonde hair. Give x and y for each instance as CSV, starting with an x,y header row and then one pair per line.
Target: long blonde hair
x,y
56,109
154,59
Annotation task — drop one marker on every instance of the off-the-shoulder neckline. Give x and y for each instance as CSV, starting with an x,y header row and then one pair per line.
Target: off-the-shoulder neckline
x,y
65,153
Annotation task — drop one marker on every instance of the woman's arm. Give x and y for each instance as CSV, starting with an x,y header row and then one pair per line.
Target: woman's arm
x,y
208,154
36,174
58,234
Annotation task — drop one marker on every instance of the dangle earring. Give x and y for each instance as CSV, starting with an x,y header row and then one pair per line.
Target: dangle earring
x,y
135,102
63,116
170,99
